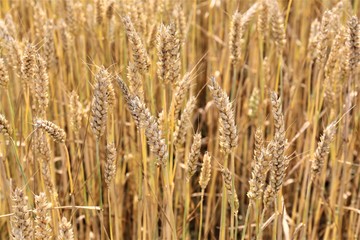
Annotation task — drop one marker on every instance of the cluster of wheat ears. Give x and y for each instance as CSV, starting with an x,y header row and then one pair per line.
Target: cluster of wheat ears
x,y
190,119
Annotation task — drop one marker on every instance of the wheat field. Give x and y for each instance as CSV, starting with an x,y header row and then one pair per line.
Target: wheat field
x,y
189,119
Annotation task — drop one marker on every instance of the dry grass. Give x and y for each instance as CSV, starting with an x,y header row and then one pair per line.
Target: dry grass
x,y
203,119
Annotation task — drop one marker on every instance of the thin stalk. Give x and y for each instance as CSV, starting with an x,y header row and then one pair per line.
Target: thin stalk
x,y
233,84
246,221
223,209
144,158
201,213
306,209
110,222
274,232
186,209
232,166
259,235
99,172
100,184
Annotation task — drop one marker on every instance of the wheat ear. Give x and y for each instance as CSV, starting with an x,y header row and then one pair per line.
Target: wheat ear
x,y
193,156
56,133
184,123
205,173
4,75
227,129
322,150
236,38
65,231
99,104
228,180
110,164
4,126
42,217
140,57
21,226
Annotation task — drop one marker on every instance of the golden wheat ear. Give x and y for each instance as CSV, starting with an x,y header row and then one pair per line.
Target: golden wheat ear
x,y
236,38
193,156
205,173
57,134
110,164
100,103
227,125
228,181
4,75
42,217
323,149
21,224
66,231
4,126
